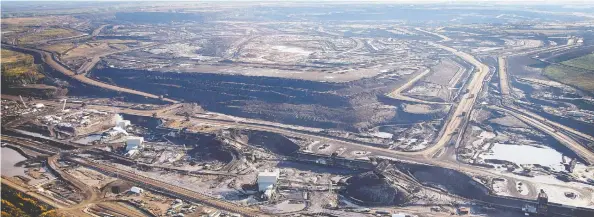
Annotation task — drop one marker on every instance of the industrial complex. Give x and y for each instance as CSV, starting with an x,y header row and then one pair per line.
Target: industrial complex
x,y
296,109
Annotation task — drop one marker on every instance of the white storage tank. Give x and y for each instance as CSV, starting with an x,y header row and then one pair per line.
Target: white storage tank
x,y
134,142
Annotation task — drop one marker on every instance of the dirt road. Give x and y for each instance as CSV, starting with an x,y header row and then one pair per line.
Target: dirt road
x,y
443,37
397,94
503,80
89,65
567,141
49,59
184,193
464,108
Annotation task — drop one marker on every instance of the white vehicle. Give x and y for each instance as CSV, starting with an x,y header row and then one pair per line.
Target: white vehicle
x,y
529,209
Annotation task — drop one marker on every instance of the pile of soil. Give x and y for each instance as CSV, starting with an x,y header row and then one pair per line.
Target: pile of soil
x,y
373,189
276,143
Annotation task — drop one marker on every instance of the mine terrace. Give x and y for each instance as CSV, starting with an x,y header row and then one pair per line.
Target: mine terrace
x,y
297,109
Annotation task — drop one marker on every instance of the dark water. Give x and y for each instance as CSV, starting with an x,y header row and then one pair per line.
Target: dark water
x,y
580,126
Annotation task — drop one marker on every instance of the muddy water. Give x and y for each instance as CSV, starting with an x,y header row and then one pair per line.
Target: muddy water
x,y
9,158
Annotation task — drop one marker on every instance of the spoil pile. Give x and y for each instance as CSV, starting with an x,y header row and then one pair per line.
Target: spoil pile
x,y
373,189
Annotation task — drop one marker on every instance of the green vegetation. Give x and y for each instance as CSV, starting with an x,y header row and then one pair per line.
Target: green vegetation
x,y
582,79
16,204
19,68
584,62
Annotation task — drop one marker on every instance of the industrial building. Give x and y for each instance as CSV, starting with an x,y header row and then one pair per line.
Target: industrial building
x,y
136,190
133,145
267,182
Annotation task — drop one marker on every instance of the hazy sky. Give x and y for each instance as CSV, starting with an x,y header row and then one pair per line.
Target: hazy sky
x,y
565,3
393,1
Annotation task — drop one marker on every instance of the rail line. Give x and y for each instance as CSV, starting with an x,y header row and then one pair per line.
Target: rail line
x,y
171,189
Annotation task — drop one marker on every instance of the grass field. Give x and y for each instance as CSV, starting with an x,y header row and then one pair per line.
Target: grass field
x,y
584,62
582,79
50,33
9,56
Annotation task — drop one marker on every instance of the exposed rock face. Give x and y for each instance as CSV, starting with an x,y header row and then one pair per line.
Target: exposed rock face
x,y
276,143
372,188
35,90
447,179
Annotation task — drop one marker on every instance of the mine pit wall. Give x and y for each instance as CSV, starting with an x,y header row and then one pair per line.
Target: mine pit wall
x,y
144,121
41,92
326,160
455,182
363,203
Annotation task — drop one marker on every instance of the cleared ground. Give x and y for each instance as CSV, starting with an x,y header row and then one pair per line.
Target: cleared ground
x,y
438,84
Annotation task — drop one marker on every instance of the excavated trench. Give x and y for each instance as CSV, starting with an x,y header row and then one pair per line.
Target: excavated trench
x,y
208,148
373,189
204,147
449,180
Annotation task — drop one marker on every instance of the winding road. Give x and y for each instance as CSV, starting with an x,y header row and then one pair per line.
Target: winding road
x,y
48,58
